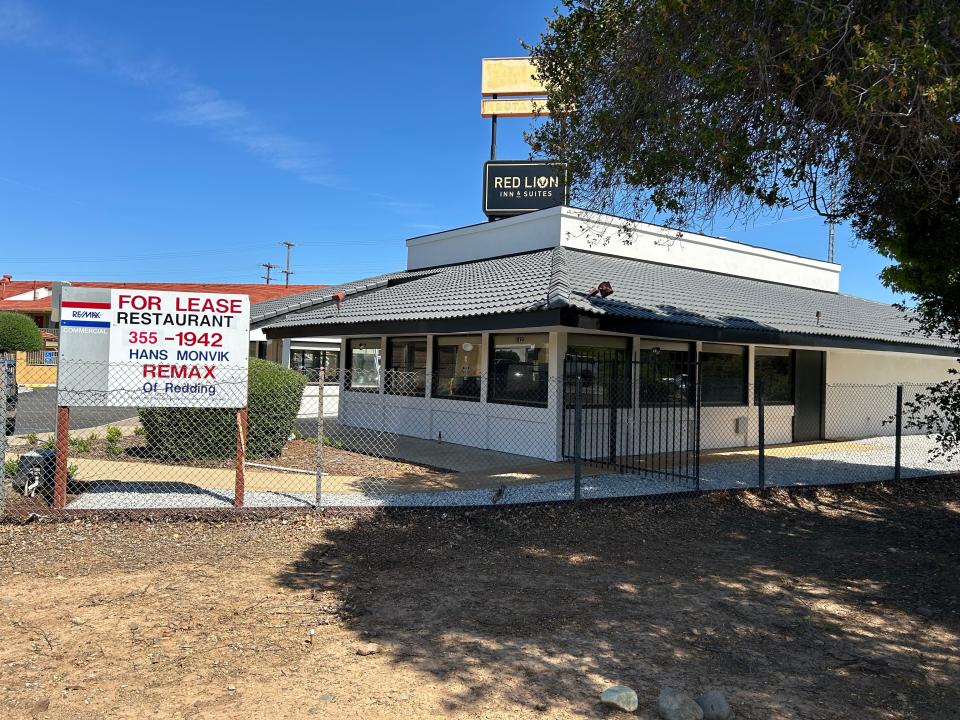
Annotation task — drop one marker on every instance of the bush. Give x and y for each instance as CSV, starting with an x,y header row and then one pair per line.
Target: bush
x,y
19,333
114,434
10,466
81,444
273,399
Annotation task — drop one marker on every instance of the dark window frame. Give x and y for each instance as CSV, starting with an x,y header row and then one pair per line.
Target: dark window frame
x,y
348,365
793,377
389,371
324,354
689,361
744,376
625,398
491,374
435,377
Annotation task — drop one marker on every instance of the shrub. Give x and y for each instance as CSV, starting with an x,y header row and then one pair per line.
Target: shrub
x,y
50,443
114,434
10,466
19,333
273,399
80,444
139,431
32,438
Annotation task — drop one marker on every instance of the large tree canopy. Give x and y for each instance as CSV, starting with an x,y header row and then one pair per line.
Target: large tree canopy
x,y
692,108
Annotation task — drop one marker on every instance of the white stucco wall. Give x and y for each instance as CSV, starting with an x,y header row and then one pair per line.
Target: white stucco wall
x,y
861,389
533,231
595,232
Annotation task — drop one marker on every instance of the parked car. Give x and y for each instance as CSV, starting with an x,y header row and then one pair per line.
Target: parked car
x,y
9,369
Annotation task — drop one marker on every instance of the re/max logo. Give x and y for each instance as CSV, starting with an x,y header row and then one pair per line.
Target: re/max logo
x,y
91,314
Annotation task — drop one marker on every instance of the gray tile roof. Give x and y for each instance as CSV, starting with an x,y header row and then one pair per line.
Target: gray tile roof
x,y
261,312
562,277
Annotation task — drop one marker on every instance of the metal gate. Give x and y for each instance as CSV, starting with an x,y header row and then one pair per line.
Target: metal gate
x,y
639,416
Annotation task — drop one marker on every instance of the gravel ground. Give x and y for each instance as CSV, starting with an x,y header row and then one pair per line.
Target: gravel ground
x,y
871,462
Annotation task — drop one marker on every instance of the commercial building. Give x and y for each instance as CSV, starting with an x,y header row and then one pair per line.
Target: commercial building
x,y
484,319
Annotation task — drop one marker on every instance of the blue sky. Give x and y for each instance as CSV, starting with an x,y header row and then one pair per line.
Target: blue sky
x,y
183,141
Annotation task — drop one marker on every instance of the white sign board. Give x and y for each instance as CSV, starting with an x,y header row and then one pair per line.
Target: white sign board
x,y
123,347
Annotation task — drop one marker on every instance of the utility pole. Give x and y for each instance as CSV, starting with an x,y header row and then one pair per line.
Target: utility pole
x,y
269,267
831,239
287,272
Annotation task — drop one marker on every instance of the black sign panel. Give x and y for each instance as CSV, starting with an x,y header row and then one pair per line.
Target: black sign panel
x,y
513,187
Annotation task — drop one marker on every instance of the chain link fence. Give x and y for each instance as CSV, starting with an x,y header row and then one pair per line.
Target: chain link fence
x,y
368,438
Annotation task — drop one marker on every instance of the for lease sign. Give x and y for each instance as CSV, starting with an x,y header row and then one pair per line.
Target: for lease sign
x,y
149,348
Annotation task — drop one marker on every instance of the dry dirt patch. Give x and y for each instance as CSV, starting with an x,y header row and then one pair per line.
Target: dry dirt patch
x,y
806,605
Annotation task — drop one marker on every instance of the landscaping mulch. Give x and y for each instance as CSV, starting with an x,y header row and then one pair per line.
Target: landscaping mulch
x,y
818,604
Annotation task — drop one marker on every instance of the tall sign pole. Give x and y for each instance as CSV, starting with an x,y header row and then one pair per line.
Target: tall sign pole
x,y
493,135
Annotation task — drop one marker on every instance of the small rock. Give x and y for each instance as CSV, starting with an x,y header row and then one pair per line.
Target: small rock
x,y
134,627
231,688
926,612
77,620
325,698
620,697
714,706
368,649
677,705
40,707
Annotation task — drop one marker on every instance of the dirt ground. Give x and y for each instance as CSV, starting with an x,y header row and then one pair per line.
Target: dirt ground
x,y
809,605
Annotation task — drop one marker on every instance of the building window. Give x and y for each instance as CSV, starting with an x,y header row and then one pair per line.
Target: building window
x,y
406,366
774,368
456,367
519,369
309,362
363,364
601,362
664,372
723,375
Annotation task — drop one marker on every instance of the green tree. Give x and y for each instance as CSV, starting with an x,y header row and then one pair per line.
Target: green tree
x,y
19,333
690,108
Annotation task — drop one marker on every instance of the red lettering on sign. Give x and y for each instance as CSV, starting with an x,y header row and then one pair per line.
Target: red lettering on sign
x,y
140,302
171,372
221,306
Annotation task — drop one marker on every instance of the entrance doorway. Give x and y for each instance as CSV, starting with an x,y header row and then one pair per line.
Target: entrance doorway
x,y
809,389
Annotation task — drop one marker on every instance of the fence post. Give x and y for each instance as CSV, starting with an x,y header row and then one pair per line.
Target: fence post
x,y
3,437
320,396
238,490
697,407
899,428
61,469
577,434
761,437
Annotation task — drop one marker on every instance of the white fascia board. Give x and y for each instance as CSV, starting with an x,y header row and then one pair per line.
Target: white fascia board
x,y
523,233
596,232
